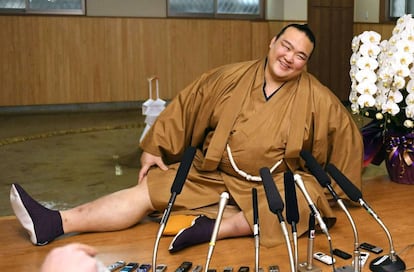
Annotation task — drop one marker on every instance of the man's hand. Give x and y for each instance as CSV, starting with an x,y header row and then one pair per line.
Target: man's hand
x,y
148,160
72,257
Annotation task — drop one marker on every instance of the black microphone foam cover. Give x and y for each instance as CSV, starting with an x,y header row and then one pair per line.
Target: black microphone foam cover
x,y
183,170
346,185
255,209
314,167
272,193
292,212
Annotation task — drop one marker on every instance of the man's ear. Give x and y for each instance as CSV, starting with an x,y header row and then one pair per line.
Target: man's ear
x,y
272,42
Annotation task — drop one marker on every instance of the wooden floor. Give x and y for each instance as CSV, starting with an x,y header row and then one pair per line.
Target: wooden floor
x,y
393,202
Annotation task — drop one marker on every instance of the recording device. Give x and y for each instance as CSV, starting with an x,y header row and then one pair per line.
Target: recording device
x,y
322,257
116,265
129,267
292,211
144,268
176,188
390,262
308,266
342,254
324,180
160,268
276,206
256,229
274,268
197,268
224,198
244,269
184,266
371,248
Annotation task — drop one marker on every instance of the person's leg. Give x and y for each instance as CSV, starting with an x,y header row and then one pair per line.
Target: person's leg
x,y
202,228
234,226
116,211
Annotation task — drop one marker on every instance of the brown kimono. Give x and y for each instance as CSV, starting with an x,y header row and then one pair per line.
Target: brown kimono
x,y
227,106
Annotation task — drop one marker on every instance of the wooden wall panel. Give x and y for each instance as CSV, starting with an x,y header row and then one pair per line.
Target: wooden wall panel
x,y
71,59
65,59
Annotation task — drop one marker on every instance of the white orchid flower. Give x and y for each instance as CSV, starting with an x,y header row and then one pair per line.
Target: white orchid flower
x,y
366,87
409,111
406,44
366,75
410,86
355,108
353,71
409,100
354,58
369,49
365,62
355,43
370,37
399,82
366,101
404,59
395,96
390,107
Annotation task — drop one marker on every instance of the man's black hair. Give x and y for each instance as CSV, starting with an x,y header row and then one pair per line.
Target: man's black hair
x,y
303,28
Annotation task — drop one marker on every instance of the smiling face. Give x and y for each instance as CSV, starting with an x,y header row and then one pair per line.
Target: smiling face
x,y
287,55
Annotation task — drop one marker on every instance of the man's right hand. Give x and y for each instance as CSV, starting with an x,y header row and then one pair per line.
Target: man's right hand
x,y
147,161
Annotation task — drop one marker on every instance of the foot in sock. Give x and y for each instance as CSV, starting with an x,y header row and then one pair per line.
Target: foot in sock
x,y
199,232
42,224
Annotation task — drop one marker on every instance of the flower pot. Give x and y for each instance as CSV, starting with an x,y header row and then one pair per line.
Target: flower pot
x,y
400,158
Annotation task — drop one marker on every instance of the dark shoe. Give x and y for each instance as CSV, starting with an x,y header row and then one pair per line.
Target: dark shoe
x,y
199,232
42,224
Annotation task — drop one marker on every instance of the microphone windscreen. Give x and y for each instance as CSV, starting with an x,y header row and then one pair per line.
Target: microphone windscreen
x,y
255,209
314,167
272,194
346,185
292,212
183,170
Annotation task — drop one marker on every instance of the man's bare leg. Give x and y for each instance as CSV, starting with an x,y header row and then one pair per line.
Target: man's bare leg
x,y
234,226
115,211
112,212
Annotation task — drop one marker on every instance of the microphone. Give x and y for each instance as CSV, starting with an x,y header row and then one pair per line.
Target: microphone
x,y
276,206
308,265
391,262
224,198
176,188
292,212
312,206
325,182
256,228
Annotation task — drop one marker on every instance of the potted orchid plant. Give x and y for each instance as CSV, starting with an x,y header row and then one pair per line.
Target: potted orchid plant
x,y
382,77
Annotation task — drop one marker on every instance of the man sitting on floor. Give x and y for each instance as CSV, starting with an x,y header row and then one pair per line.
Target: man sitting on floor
x,y
242,116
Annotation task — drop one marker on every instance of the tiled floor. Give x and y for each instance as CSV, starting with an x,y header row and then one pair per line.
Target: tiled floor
x,y
66,159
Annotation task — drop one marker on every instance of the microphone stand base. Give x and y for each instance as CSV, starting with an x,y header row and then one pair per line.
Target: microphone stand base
x,y
346,268
303,267
384,264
